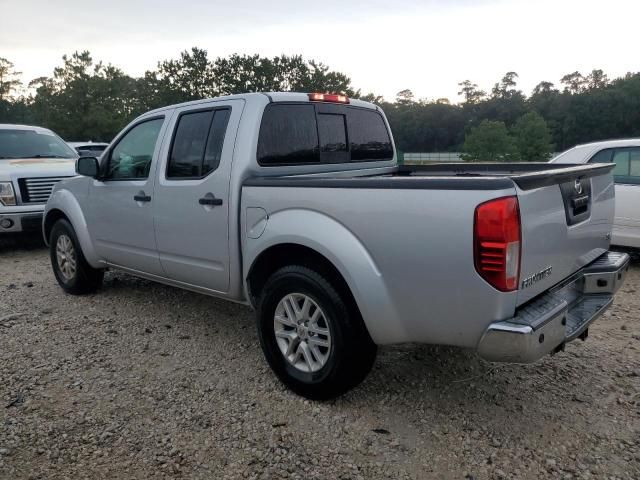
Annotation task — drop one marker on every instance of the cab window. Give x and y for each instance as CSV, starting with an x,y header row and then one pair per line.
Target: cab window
x,y
603,156
197,144
131,158
627,169
627,160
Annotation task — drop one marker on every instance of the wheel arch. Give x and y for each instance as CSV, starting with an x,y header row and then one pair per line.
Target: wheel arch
x,y
280,255
64,205
51,218
314,239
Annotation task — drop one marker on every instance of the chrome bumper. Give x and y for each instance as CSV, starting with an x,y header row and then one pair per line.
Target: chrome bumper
x,y
558,316
20,222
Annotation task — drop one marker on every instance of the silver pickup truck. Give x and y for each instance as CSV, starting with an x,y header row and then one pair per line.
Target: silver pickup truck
x,y
294,204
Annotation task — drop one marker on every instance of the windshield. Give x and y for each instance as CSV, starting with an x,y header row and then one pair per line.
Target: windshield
x,y
32,144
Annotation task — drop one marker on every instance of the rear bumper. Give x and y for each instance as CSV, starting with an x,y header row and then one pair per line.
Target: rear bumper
x,y
20,222
558,316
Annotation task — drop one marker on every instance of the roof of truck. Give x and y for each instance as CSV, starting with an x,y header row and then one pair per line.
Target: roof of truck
x,y
272,96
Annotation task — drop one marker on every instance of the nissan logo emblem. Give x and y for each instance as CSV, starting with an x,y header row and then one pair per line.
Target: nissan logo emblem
x,y
578,186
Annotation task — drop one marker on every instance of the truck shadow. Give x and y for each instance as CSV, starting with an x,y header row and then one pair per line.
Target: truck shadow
x,y
422,383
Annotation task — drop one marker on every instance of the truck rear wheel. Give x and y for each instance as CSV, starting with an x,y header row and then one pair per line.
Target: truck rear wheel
x,y
313,341
70,268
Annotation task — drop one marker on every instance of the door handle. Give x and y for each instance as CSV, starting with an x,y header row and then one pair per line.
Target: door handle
x,y
141,197
210,200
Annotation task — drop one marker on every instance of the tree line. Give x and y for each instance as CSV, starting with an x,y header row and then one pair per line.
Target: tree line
x,y
84,99
585,108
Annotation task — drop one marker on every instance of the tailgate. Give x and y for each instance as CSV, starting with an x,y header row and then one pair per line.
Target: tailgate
x,y
566,219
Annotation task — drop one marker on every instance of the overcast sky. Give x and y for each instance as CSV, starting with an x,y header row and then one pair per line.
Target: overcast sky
x,y
385,46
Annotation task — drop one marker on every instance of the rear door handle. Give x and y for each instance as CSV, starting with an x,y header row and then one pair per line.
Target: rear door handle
x,y
210,200
142,198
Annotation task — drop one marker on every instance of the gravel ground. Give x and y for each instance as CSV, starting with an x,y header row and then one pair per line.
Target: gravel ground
x,y
146,381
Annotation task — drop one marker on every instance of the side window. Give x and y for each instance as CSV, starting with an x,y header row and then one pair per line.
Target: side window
x,y
131,158
627,169
197,144
217,132
288,135
603,156
369,136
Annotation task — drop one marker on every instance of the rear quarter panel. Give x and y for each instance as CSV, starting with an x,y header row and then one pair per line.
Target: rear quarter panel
x,y
406,254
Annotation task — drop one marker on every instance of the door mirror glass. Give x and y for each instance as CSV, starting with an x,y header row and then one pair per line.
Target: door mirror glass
x,y
87,166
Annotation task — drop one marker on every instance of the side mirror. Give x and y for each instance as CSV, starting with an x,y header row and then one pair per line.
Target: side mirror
x,y
88,167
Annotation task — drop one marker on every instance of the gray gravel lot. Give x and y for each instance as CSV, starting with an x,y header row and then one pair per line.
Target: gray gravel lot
x,y
147,381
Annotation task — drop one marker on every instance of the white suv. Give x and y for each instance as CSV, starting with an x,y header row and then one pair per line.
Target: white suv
x,y
626,155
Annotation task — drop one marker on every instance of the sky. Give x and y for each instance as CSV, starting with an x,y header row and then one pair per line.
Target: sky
x,y
384,46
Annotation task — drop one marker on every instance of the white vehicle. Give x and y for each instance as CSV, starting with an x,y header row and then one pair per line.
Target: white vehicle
x,y
626,155
88,149
32,161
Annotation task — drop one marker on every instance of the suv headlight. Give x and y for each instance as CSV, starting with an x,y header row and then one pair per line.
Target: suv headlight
x,y
7,195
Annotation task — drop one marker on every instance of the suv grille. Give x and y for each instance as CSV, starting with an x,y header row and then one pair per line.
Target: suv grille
x,y
37,190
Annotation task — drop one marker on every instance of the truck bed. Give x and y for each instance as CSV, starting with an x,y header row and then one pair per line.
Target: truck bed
x,y
456,176
414,227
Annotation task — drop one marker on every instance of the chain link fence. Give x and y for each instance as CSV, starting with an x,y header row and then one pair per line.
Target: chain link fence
x,y
417,158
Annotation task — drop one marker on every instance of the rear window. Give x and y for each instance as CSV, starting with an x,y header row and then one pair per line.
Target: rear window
x,y
301,134
333,132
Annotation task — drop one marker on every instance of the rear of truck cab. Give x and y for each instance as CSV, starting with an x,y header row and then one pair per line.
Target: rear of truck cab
x,y
567,275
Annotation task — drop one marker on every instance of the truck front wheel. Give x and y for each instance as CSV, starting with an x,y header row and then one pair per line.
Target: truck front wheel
x,y
313,341
70,268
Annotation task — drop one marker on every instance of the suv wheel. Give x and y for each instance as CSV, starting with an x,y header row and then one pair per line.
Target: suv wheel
x,y
315,343
70,268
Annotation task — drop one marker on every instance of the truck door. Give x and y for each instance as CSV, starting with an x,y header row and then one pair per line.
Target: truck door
x,y
626,224
192,194
120,203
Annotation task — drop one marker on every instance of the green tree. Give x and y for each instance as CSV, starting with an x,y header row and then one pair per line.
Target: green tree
x,y
506,88
189,77
597,79
405,97
471,93
488,142
573,82
84,100
194,76
532,138
9,79
544,88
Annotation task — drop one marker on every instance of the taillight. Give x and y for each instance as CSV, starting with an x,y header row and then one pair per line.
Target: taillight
x,y
497,242
328,97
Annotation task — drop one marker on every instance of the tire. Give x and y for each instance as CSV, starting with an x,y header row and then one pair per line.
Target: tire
x,y
333,370
81,278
